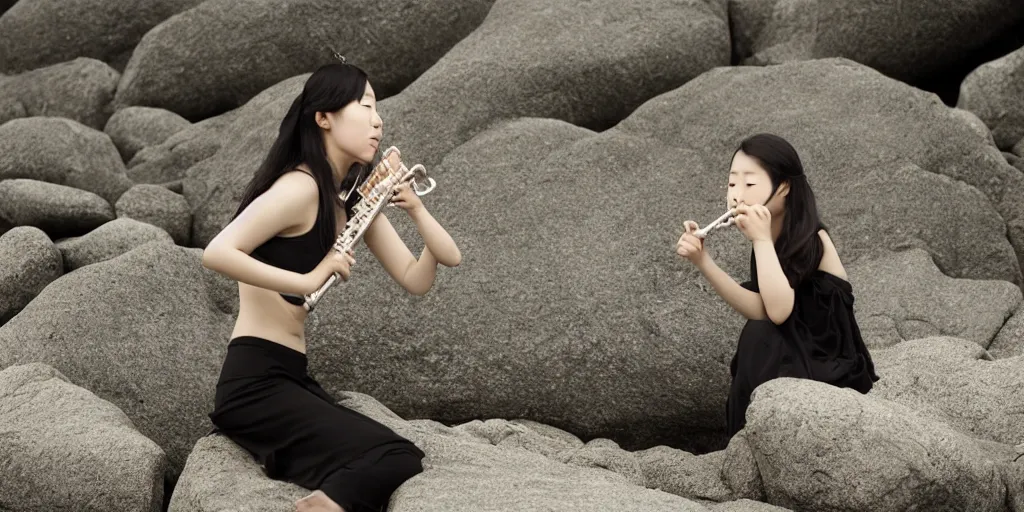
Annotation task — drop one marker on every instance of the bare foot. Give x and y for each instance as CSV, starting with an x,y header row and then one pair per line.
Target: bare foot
x,y
317,502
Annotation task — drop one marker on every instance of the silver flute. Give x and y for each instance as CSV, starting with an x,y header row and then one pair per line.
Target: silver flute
x,y
727,219
376,191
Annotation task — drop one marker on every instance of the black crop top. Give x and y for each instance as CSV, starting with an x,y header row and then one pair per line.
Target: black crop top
x,y
299,253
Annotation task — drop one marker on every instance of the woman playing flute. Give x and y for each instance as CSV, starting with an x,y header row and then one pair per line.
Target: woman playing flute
x,y
798,301
278,247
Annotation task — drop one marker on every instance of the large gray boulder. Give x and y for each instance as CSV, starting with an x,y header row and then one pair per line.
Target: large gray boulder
x,y
818,447
910,40
1010,340
38,33
80,89
590,66
904,296
108,241
159,206
135,128
956,382
63,152
28,263
995,92
58,210
65,448
146,331
234,49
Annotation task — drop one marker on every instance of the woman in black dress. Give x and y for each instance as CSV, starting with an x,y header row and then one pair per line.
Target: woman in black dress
x,y
798,301
278,248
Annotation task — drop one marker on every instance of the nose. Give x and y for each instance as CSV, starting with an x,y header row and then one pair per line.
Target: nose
x,y
376,121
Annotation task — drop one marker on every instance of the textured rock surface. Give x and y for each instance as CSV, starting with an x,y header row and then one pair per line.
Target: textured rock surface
x,y
135,128
995,92
66,449
903,296
911,40
156,205
58,210
64,152
146,331
956,382
37,33
819,447
245,46
108,241
30,262
80,89
1010,340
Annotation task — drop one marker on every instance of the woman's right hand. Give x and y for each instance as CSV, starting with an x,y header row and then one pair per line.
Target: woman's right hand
x,y
333,262
689,246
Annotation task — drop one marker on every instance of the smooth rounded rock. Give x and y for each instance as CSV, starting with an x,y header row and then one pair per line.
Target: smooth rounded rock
x,y
28,263
135,128
58,210
159,206
80,89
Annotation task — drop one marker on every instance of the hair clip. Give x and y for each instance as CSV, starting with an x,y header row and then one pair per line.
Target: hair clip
x,y
339,56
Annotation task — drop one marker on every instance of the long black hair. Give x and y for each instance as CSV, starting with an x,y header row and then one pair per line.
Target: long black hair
x,y
299,140
799,247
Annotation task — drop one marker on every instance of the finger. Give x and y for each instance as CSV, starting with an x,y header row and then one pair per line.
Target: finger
x,y
690,226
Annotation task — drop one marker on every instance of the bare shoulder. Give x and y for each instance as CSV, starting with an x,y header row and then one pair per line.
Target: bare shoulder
x,y
287,207
830,261
296,182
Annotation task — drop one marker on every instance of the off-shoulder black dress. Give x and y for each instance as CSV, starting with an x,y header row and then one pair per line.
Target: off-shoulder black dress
x,y
820,340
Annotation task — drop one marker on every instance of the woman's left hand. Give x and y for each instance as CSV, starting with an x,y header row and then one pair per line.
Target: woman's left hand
x,y
755,222
405,198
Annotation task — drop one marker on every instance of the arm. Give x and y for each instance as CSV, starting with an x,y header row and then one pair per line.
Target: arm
x,y
776,293
744,301
283,206
415,275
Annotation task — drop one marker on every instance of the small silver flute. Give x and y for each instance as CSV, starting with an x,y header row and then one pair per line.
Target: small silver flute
x,y
727,219
376,192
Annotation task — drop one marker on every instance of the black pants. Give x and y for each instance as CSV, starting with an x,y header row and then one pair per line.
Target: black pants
x,y
268,404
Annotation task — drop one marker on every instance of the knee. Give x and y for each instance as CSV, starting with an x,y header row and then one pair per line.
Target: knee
x,y
407,465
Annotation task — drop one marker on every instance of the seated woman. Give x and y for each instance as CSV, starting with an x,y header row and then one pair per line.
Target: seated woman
x,y
798,302
278,247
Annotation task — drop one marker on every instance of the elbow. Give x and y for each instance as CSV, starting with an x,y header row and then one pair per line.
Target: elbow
x,y
451,258
779,316
213,257
209,258
419,291
454,262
